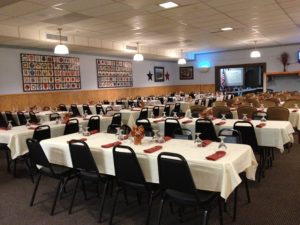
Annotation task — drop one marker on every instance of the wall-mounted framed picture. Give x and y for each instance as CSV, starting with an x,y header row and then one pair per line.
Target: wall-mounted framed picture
x,y
186,73
159,74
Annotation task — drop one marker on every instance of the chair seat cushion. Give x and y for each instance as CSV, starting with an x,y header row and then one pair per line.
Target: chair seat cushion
x,y
59,171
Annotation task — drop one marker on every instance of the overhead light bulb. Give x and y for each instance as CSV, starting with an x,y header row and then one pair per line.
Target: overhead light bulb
x,y
61,49
255,53
181,60
138,56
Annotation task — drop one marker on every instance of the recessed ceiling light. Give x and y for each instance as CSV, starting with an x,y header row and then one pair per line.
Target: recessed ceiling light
x,y
168,5
226,28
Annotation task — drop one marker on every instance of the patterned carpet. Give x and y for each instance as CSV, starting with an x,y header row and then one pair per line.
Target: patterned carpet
x,y
275,201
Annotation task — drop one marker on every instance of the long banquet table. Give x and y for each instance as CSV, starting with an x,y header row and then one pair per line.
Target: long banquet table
x,y
220,176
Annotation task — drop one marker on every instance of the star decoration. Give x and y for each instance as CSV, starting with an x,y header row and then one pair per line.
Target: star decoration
x,y
167,75
149,75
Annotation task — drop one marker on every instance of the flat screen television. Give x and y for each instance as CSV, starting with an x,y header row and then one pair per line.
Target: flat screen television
x,y
233,76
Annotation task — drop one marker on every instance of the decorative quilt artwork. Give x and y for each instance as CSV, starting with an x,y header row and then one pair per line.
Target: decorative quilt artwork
x,y
48,73
114,73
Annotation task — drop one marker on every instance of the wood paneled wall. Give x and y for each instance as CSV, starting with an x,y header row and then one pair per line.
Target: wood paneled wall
x,y
20,101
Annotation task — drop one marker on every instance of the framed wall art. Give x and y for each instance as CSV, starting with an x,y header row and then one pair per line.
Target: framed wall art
x,y
114,73
49,73
186,73
159,74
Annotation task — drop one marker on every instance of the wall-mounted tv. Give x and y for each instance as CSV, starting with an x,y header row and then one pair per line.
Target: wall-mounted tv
x,y
232,76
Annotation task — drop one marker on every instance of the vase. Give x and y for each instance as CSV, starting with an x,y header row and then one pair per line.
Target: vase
x,y
137,140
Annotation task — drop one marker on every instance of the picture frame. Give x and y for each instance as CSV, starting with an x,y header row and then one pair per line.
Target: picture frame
x,y
159,74
186,73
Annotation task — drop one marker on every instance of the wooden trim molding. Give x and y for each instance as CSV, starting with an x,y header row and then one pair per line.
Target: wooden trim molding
x,y
284,73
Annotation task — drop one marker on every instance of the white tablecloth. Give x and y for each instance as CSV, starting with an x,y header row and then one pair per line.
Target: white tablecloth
x,y
221,175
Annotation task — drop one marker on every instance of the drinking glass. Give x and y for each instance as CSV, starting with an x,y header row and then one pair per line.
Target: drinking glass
x,y
223,117
164,115
175,115
80,131
86,131
222,144
155,136
27,122
296,106
263,119
9,125
245,118
198,141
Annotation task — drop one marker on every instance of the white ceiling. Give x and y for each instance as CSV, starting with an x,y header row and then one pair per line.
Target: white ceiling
x,y
107,26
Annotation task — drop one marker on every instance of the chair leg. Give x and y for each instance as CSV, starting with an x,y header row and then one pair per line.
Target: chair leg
x,y
235,204
103,200
162,202
15,167
114,206
56,196
150,208
205,217
35,189
7,160
73,197
247,187
220,210
29,167
83,189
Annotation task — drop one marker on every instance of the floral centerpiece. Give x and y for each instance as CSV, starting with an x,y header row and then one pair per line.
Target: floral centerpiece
x,y
66,117
138,134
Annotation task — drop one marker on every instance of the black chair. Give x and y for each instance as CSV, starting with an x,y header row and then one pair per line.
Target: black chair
x,y
180,189
156,111
161,99
72,126
125,129
99,109
207,129
86,108
183,133
143,113
5,149
74,110
45,168
129,176
106,102
235,136
260,115
116,120
249,138
33,118
41,132
177,110
119,102
94,123
3,122
171,125
167,110
111,129
9,117
130,103
62,107
87,170
22,118
108,109
54,116
148,131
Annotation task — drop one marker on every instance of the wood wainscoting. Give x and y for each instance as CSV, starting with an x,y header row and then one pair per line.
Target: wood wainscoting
x,y
53,99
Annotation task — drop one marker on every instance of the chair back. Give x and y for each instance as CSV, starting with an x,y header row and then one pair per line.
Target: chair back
x,y
111,129
290,103
196,109
268,103
54,116
41,132
231,135
167,109
9,117
183,133
156,111
86,108
278,113
249,110
143,113
99,109
127,168
33,118
171,125
116,119
147,126
248,133
177,108
62,107
108,109
173,163
161,99
218,110
207,129
3,122
22,118
94,123
72,126
125,129
130,103
74,110
82,158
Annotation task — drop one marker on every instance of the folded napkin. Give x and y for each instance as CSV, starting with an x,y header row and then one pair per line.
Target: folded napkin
x,y
93,131
205,143
159,120
261,125
153,149
187,121
113,144
81,139
216,155
295,110
221,123
167,138
3,128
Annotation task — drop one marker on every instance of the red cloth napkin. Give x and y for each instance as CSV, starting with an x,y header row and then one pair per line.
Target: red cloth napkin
x,y
205,143
81,139
93,131
167,138
187,121
221,123
216,155
153,149
295,110
261,125
159,120
3,128
109,145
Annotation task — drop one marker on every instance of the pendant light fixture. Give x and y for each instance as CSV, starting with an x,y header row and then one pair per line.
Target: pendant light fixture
x,y
181,60
255,53
61,49
138,56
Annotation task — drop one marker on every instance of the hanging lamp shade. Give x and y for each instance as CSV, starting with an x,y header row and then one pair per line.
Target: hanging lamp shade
x,y
138,56
255,53
181,60
61,49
